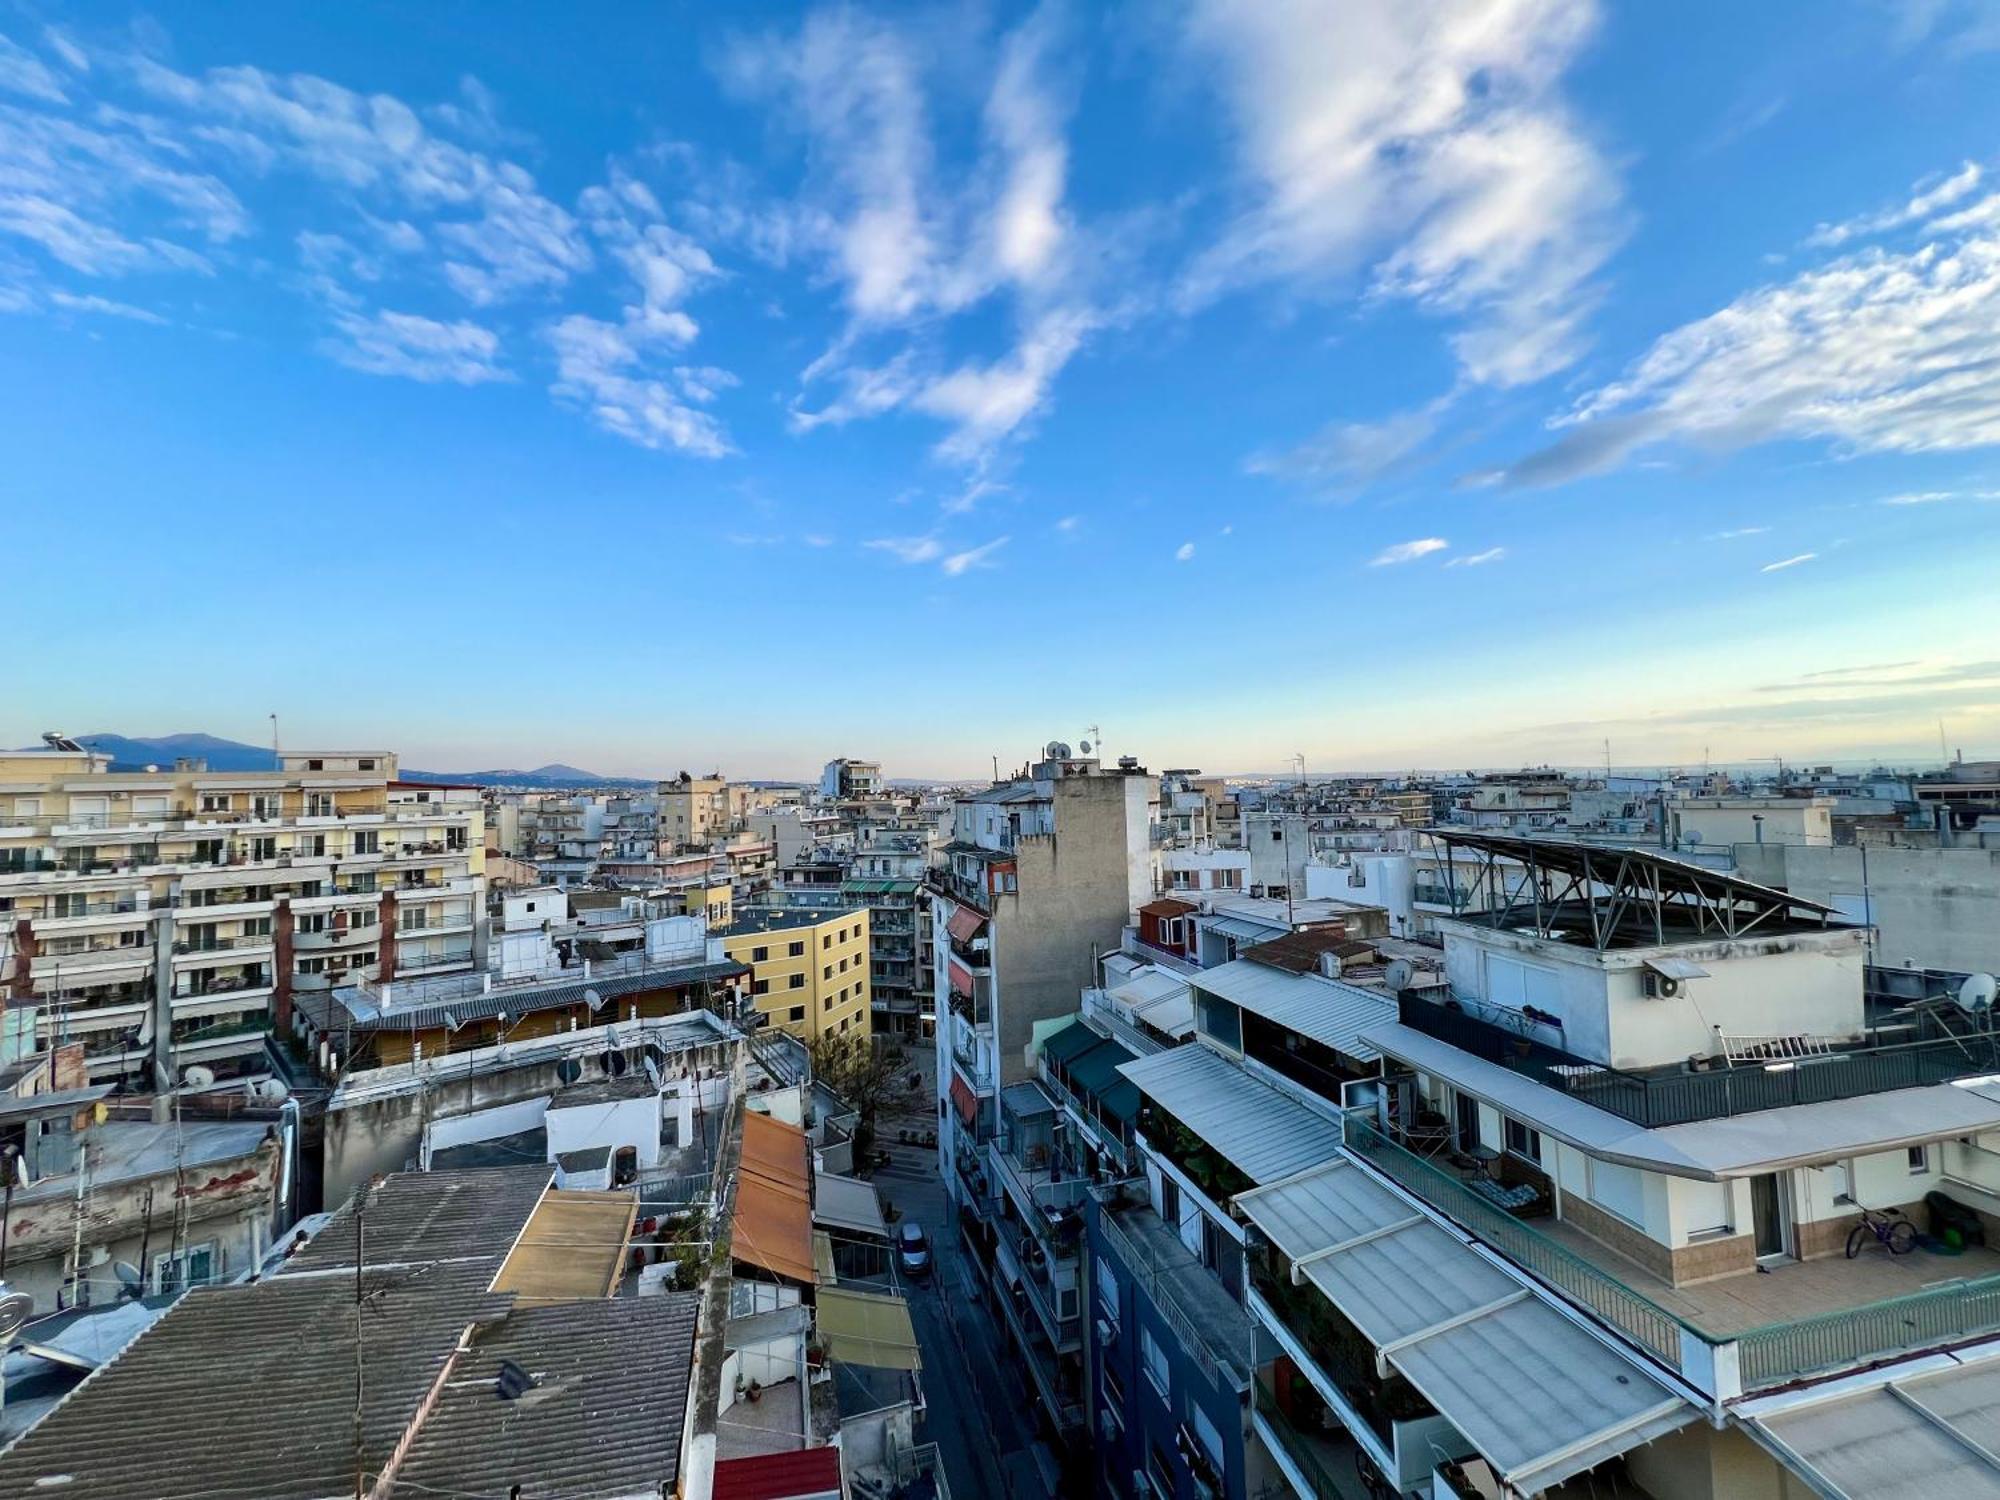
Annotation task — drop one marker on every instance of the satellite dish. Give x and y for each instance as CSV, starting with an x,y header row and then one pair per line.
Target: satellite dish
x,y
1975,995
131,1280
594,1000
614,1064
274,1089
198,1078
15,1310
1399,974
1084,746
1690,835
569,1070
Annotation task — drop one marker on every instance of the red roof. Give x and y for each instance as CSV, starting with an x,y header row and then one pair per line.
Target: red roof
x,y
779,1476
1167,906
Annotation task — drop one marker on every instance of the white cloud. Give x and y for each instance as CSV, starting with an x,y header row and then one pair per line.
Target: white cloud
x,y
600,368
1427,140
1940,497
909,549
985,403
1184,552
105,307
73,56
1788,562
1880,351
1734,533
1351,455
975,557
1922,203
1478,559
1069,524
21,72
1404,552
417,348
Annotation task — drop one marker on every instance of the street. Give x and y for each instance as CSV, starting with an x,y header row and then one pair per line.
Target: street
x,y
979,1411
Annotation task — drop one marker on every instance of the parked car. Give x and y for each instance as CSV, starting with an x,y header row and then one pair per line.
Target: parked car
x,y
913,1250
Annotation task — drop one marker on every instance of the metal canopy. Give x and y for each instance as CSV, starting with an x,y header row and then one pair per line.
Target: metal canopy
x,y
1624,897
1264,1133
1931,1434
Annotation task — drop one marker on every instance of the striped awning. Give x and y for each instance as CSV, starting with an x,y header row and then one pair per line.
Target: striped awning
x,y
964,923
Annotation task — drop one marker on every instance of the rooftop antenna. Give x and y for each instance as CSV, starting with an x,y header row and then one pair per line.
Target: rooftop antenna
x,y
1943,753
274,736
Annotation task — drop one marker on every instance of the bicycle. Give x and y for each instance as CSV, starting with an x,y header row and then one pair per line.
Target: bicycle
x,y
1890,1229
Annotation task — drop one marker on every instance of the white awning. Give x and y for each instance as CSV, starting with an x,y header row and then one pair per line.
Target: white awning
x,y
1331,1013
1676,968
849,1204
1261,1132
1933,1435
1766,1140
1537,1395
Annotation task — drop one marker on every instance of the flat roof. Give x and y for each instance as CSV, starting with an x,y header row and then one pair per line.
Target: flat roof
x,y
782,918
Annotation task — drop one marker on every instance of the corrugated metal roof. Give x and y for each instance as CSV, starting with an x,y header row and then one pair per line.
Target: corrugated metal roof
x,y
1027,1100
605,1417
1926,1435
1242,929
420,1216
848,1204
1326,1010
1263,1133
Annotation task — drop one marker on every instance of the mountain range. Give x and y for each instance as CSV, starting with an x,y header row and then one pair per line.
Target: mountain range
x,y
135,753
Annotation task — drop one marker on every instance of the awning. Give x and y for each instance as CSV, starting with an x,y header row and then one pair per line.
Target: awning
x,y
1243,929
961,977
1073,1040
1676,968
964,1100
1934,1434
964,923
823,1258
1540,1398
1167,907
849,1205
1026,1100
572,1248
866,1328
1263,1133
1331,1013
772,1225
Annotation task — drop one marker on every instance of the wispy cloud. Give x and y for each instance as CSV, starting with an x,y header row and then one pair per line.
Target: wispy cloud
x,y
1478,559
909,549
1067,525
416,348
1926,201
1788,562
1403,552
105,307
973,557
1879,351
1939,497
1735,533
1428,143
1184,552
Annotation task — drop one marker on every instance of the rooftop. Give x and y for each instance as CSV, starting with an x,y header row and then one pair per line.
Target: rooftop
x,y
425,1004
780,919
415,1217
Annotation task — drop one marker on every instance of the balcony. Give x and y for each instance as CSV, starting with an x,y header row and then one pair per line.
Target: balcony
x,y
1737,1333
1059,1394
1192,1157
1206,1320
1678,1096
336,937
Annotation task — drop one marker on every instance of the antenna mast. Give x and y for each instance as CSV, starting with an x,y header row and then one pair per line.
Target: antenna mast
x,y
274,736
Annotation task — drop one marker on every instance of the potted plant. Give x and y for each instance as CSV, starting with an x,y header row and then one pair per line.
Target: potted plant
x,y
754,1391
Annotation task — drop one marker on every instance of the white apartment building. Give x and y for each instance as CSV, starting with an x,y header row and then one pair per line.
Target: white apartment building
x,y
165,918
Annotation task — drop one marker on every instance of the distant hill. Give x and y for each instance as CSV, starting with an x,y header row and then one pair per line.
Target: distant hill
x,y
135,753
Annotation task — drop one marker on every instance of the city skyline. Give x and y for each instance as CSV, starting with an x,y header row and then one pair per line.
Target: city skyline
x,y
1391,391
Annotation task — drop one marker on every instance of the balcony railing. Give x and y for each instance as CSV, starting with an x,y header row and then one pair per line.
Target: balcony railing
x,y
1636,1316
1679,1098
1324,1485
1222,1362
1773,1354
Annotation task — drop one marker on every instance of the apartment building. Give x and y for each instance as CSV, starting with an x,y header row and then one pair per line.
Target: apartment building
x,y
164,919
1577,1219
808,967
694,811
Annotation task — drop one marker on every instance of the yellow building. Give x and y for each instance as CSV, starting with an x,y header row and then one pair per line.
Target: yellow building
x,y
808,967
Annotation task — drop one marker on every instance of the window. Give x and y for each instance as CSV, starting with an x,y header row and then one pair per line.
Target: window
x,y
1107,1287
264,846
1465,1114
796,950
798,1013
759,954
1170,1203
194,1266
1153,1360
798,982
367,841
1523,1142
315,765
1619,1189
827,941
364,765
826,974
1220,1020
1277,835
760,987
1920,1160
142,807
214,802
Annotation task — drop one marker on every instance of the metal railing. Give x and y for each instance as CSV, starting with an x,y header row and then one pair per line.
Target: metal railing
x,y
1221,1364
1615,1304
1932,1318
1323,1484
1680,1098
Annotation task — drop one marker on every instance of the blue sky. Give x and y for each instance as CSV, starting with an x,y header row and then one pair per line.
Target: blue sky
x,y
1390,383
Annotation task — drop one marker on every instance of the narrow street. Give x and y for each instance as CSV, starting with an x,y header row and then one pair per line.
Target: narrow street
x,y
978,1407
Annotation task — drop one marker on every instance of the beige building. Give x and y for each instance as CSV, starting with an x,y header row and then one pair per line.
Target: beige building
x,y
694,811
163,919
808,968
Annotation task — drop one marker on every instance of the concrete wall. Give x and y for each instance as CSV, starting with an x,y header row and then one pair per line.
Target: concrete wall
x,y
1940,907
1700,1463
1755,987
615,1123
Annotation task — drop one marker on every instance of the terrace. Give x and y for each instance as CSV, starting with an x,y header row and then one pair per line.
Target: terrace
x,y
1735,1334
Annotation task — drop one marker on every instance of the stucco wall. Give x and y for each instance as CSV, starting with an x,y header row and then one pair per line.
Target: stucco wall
x,y
1940,907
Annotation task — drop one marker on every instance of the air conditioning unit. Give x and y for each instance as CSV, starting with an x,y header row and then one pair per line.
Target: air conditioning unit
x,y
1107,1333
1658,986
